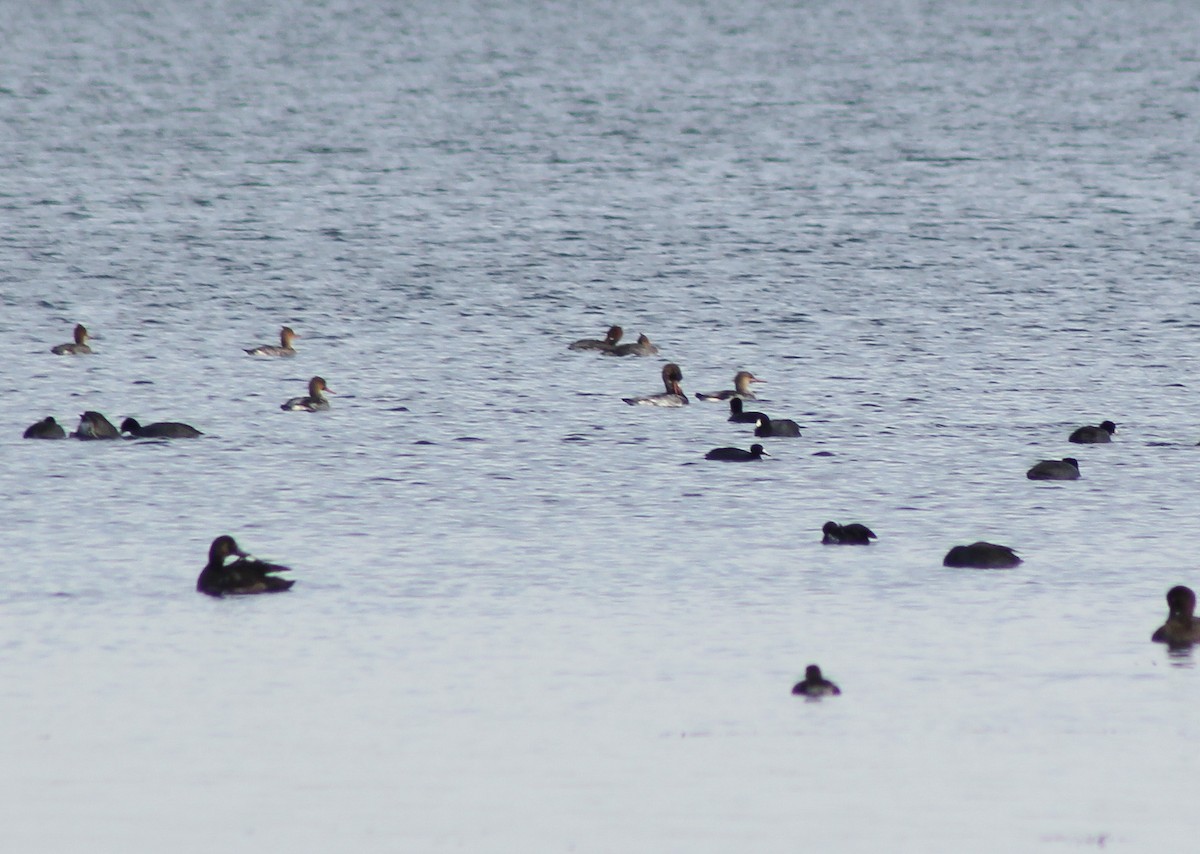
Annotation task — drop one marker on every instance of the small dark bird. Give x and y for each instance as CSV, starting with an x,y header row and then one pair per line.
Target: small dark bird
x,y
783,427
93,425
982,555
1094,435
739,415
243,576
815,685
47,428
159,430
314,402
79,348
1181,628
853,534
1065,469
737,455
610,340
285,348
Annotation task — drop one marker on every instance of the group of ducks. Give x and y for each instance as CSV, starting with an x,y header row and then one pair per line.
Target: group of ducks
x,y
93,425
232,571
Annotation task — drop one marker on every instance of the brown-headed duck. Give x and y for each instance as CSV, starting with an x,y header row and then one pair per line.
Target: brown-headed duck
x,y
610,341
314,402
285,348
741,388
673,396
643,347
79,348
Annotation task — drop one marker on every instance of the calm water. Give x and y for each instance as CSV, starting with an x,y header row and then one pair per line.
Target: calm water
x,y
527,616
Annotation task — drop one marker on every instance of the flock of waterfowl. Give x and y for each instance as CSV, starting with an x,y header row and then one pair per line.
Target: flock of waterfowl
x,y
232,571
1181,628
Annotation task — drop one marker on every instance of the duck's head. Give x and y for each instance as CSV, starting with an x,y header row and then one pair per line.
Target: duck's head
x,y
812,673
644,339
742,380
1182,601
317,385
613,335
221,548
286,334
831,529
81,334
671,375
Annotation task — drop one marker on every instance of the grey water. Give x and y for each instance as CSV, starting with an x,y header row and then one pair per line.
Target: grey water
x,y
528,617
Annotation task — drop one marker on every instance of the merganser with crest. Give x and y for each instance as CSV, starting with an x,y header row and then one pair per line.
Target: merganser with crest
x,y
741,388
673,396
314,402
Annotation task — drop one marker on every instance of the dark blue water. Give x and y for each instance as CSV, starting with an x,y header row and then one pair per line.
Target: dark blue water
x,y
528,616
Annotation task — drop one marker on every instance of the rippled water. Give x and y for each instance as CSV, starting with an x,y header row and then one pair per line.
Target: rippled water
x,y
527,616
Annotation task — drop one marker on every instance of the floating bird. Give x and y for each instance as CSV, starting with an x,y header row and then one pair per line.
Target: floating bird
x,y
853,534
782,427
159,430
314,402
93,425
673,396
1065,469
1094,435
815,685
1181,627
739,415
643,347
245,575
737,455
47,428
285,347
982,555
741,388
610,340
79,348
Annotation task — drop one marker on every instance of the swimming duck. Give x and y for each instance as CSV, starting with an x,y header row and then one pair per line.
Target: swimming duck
x,y
159,430
673,396
1181,627
739,415
47,428
815,685
741,388
93,425
737,455
982,555
643,347
778,427
1094,435
245,575
853,534
610,340
314,402
285,347
1065,469
79,348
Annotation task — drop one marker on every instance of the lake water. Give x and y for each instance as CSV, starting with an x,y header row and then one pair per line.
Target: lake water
x,y
529,617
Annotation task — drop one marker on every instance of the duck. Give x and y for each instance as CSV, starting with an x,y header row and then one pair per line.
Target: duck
x,y
610,340
1065,469
1181,627
982,555
815,685
79,348
784,427
739,415
737,455
1100,435
741,388
47,428
673,396
313,402
643,347
93,425
159,430
285,348
853,534
245,575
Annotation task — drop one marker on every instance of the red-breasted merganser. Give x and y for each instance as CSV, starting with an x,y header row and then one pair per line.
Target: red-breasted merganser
x,y
673,396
